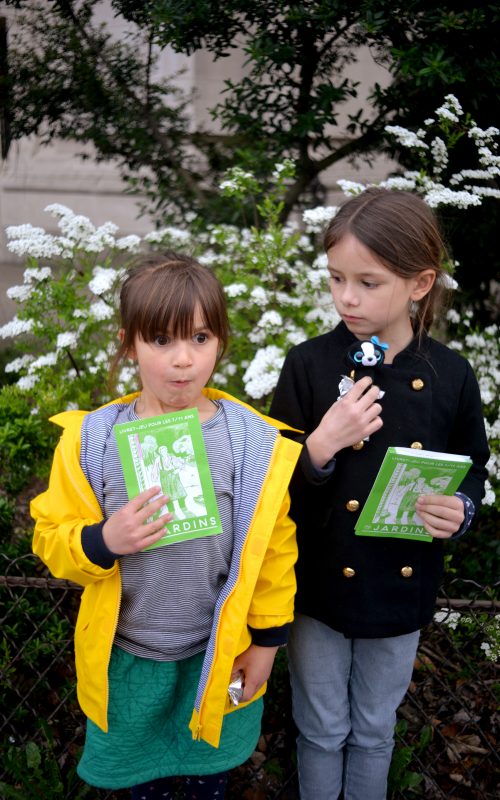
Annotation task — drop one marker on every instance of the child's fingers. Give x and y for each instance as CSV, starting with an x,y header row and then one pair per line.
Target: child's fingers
x,y
442,515
144,496
360,387
151,528
441,505
151,507
364,394
150,532
128,530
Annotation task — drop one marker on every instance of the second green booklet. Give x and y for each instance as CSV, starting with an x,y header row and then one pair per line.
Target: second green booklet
x,y
403,476
169,451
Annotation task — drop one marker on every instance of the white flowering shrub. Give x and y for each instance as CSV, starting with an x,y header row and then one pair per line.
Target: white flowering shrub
x,y
433,142
276,286
482,349
274,275
480,628
65,329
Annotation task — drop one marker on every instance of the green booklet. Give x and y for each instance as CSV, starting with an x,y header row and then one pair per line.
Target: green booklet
x,y
405,474
169,451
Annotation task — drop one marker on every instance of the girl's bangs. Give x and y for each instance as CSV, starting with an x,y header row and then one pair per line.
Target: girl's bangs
x,y
172,314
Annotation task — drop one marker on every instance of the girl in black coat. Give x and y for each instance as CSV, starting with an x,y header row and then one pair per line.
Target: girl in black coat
x,y
361,600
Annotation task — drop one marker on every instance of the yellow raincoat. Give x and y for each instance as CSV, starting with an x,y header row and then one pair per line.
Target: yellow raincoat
x,y
261,596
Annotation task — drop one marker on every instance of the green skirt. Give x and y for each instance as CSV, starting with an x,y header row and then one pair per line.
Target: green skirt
x,y
150,706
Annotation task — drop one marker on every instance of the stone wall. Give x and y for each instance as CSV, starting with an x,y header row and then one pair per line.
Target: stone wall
x,y
34,175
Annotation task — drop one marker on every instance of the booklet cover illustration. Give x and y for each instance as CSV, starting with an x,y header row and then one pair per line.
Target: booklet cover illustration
x,y
405,474
169,451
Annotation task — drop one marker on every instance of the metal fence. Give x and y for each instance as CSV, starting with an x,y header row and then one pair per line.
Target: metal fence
x,y
446,741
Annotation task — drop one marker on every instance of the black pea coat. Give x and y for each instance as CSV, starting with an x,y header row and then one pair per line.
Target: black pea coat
x,y
372,587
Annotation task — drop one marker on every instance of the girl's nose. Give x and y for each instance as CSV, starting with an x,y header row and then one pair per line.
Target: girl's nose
x,y
182,354
349,296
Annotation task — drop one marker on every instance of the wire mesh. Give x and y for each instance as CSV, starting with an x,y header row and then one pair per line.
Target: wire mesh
x,y
446,738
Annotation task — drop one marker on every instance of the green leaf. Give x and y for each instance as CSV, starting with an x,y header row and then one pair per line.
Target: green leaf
x,y
33,756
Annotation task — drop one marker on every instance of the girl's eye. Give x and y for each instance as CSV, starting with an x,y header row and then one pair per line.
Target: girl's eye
x,y
334,278
200,338
370,284
162,340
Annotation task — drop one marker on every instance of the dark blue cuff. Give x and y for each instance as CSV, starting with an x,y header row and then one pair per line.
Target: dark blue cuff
x,y
94,546
270,637
313,474
470,512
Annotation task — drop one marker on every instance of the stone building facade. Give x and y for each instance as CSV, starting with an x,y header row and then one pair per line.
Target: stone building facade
x,y
34,175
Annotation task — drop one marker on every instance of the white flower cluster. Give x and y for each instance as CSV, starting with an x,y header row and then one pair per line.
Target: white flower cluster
x,y
37,275
259,296
400,183
270,320
236,182
351,187
127,379
47,360
489,498
482,349
63,295
19,363
448,618
103,280
440,154
170,235
451,109
446,280
406,138
282,169
262,374
16,327
236,289
101,310
19,293
316,218
491,650
442,196
129,243
432,190
490,629
37,244
453,316
77,232
67,339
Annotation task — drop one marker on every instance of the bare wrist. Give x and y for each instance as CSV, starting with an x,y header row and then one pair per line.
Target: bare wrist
x,y
320,451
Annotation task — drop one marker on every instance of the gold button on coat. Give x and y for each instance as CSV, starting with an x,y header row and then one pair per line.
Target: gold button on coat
x,y
358,445
352,505
417,445
348,572
406,572
417,384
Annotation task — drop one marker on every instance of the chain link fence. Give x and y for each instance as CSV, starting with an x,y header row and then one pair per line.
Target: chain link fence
x,y
446,737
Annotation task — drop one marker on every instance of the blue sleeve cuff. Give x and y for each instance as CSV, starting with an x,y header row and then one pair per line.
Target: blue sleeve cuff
x,y
270,637
313,474
470,512
95,548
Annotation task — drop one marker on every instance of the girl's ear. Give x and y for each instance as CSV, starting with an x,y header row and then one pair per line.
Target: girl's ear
x,y
423,283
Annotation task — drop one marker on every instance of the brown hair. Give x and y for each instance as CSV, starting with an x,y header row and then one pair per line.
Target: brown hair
x,y
161,293
402,232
